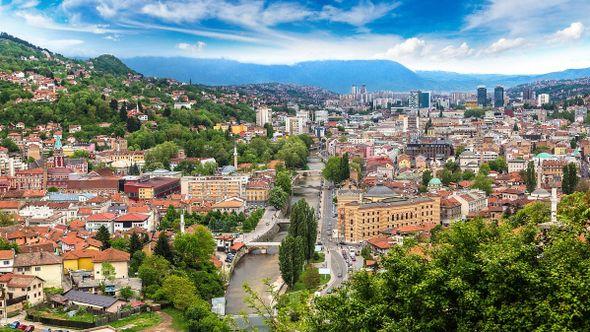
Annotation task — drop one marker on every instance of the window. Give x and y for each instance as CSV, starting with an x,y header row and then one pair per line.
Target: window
x,y
37,268
6,262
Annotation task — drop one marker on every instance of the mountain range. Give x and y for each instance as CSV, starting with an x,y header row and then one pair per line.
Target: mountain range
x,y
334,75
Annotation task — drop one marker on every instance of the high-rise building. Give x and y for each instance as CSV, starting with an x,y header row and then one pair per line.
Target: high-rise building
x,y
414,101
482,96
424,100
353,90
528,95
543,99
499,96
263,115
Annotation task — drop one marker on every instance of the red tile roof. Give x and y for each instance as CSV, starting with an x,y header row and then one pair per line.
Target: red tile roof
x,y
111,255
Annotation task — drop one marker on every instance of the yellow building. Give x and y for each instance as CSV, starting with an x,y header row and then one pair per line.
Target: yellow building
x,y
45,265
78,260
214,188
379,209
117,258
257,191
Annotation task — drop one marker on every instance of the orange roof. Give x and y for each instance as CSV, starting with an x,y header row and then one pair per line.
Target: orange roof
x,y
132,217
7,254
237,246
106,216
9,205
111,255
75,254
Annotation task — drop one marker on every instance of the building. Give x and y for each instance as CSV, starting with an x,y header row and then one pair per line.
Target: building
x,y
263,116
94,301
18,291
148,188
414,101
499,96
45,265
117,258
6,261
379,209
431,149
543,99
213,188
472,202
482,96
257,192
35,179
295,125
424,100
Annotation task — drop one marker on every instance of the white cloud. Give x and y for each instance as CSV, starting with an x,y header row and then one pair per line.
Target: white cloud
x,y
191,48
460,51
573,32
504,44
411,46
44,22
363,13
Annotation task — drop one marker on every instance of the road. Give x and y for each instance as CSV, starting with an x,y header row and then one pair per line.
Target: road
x,y
269,219
336,263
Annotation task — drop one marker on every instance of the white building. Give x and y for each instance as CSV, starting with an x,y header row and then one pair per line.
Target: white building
x,y
263,116
542,99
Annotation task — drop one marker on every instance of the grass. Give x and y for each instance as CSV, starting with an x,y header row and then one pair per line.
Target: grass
x,y
318,257
8,329
179,323
138,322
80,316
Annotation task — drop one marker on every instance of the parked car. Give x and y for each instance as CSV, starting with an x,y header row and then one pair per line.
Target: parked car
x,y
31,328
23,327
14,324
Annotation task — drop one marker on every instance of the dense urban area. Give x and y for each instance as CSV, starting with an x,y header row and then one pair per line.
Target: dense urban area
x,y
134,203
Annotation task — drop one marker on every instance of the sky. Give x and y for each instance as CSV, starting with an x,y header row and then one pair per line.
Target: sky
x,y
483,36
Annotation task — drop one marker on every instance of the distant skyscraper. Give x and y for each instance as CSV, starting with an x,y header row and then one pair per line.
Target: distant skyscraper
x,y
482,96
499,96
353,90
543,99
528,94
363,89
414,101
263,115
424,100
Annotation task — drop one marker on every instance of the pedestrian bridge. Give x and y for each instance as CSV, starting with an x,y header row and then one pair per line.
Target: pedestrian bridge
x,y
263,244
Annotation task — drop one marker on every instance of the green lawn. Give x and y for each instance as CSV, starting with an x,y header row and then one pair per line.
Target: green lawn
x,y
179,323
80,316
138,322
8,329
320,258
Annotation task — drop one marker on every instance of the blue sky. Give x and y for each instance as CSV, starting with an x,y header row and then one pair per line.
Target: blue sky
x,y
484,36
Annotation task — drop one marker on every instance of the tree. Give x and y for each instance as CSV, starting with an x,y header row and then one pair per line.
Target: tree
x,y
284,180
136,260
515,127
120,243
426,177
482,183
303,224
134,243
153,270
311,278
291,259
108,271
269,130
332,171
344,167
277,198
104,236
162,247
499,165
570,179
126,293
193,249
201,319
484,169
179,290
530,177
478,275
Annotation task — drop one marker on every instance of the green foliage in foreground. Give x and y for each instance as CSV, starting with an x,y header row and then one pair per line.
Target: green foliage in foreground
x,y
474,276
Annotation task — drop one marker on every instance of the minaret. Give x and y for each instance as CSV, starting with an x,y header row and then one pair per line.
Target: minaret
x,y
235,157
553,205
182,222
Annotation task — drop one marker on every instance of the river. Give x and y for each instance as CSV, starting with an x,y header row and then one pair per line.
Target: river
x,y
253,269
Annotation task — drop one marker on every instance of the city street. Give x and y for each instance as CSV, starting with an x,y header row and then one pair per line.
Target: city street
x,y
334,259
